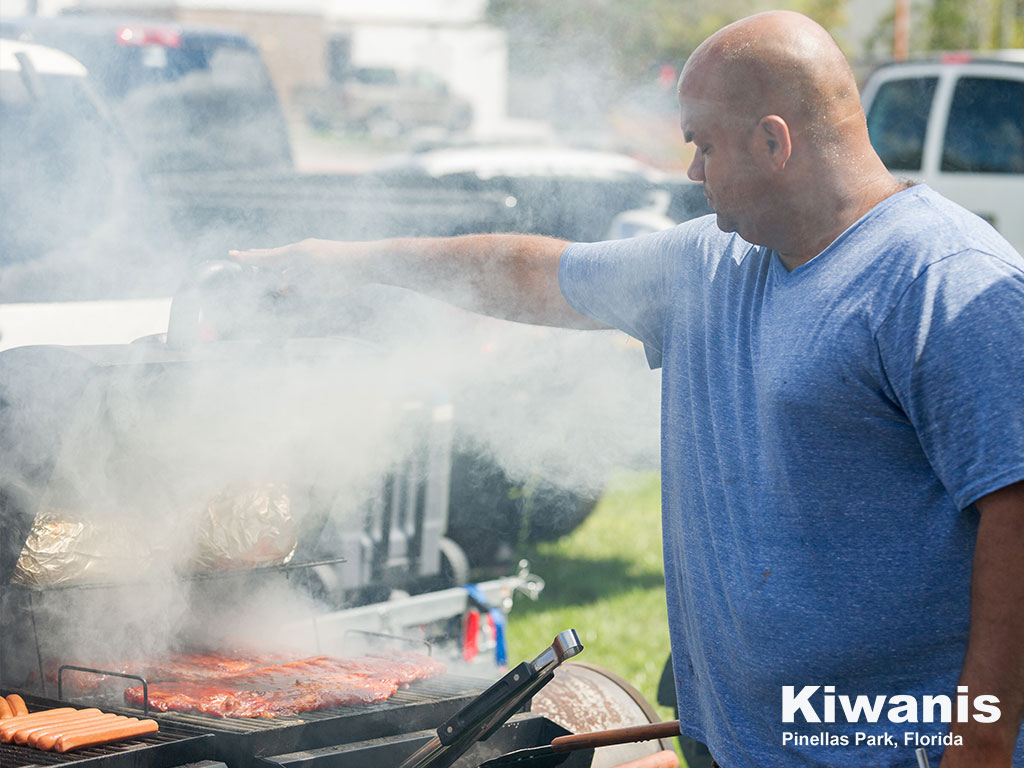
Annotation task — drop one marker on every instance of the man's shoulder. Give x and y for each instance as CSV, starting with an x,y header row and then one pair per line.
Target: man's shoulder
x,y
930,227
687,245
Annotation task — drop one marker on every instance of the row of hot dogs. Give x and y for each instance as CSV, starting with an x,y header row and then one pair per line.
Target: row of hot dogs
x,y
65,728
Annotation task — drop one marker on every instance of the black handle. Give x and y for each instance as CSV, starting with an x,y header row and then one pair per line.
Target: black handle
x,y
487,703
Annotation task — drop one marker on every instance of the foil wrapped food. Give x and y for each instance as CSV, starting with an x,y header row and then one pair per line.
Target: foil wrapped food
x,y
64,548
246,527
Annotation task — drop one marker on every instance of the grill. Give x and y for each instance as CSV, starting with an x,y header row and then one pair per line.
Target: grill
x,y
520,732
424,705
50,401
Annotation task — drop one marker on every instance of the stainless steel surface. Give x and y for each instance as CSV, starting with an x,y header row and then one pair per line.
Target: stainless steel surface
x,y
922,758
566,645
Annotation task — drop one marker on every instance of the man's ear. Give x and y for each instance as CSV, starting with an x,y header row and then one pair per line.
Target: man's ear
x,y
773,141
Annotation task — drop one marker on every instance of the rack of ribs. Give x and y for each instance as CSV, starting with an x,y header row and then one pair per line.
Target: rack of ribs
x,y
206,685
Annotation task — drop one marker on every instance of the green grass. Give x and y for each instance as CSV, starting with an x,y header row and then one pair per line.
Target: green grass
x,y
605,579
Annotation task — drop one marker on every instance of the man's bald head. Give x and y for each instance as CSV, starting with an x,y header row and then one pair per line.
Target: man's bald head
x,y
782,147
781,63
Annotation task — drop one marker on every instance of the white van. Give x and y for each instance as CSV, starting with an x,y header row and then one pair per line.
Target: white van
x,y
957,124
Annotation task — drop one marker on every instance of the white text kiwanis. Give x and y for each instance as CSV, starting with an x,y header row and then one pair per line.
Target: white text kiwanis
x,y
828,707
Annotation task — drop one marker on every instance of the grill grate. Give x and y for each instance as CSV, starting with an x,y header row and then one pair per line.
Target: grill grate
x,y
424,705
168,747
434,691
12,755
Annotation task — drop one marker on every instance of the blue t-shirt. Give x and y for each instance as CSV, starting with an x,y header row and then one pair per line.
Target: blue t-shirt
x,y
824,434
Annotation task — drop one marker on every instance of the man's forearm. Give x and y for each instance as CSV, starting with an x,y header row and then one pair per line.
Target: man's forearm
x,y
514,277
994,663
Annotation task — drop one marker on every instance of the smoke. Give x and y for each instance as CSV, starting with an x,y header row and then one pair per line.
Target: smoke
x,y
554,406
148,461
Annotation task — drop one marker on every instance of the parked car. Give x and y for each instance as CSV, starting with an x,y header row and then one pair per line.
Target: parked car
x,y
384,101
956,122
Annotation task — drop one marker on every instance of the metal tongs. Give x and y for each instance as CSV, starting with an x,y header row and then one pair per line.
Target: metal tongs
x,y
488,711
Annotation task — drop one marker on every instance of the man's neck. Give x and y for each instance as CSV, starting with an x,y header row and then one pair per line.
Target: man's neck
x,y
813,234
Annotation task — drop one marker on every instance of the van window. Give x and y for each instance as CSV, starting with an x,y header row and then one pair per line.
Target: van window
x,y
985,133
898,119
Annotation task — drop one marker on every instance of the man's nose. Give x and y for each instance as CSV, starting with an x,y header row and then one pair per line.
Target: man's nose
x,y
696,170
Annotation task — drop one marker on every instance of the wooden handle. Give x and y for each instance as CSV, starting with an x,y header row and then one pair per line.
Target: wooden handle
x,y
647,732
664,759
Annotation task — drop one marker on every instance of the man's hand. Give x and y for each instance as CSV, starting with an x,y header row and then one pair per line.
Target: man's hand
x,y
995,650
318,266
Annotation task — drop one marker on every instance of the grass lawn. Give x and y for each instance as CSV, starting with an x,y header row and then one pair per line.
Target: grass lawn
x,y
605,579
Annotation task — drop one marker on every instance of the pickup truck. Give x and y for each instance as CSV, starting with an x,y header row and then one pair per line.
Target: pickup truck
x,y
956,123
200,116
139,148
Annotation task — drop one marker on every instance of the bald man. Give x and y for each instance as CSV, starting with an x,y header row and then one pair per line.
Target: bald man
x,y
843,425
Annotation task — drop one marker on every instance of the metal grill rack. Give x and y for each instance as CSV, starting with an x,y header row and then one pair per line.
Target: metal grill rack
x,y
167,747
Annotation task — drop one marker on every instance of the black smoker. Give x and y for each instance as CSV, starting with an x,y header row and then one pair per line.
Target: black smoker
x,y
135,432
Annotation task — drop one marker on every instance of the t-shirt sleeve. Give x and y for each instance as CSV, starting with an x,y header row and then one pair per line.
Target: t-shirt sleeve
x,y
625,283
953,353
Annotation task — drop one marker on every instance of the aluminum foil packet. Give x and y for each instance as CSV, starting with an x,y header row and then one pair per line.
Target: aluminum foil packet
x,y
65,548
246,527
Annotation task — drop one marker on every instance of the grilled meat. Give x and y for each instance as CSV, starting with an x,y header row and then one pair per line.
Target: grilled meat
x,y
303,685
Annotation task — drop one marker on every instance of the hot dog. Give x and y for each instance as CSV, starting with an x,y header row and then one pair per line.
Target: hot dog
x,y
5,709
32,734
17,704
21,735
102,734
46,741
13,724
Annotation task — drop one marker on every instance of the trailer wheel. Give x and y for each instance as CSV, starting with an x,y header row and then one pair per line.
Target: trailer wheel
x,y
584,698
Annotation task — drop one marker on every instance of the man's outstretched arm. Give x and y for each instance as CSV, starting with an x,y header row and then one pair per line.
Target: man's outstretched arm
x,y
513,277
